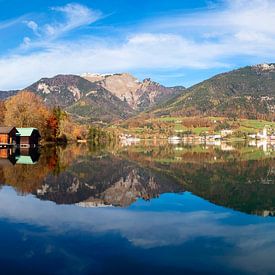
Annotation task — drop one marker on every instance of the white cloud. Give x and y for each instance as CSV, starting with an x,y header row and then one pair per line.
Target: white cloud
x,y
26,41
213,38
145,51
32,25
10,23
70,17
76,15
233,15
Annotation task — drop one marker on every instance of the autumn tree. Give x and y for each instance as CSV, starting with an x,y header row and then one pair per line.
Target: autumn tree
x,y
52,132
2,112
26,110
54,122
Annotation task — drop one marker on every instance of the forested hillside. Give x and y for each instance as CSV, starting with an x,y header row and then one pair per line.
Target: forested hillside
x,y
248,92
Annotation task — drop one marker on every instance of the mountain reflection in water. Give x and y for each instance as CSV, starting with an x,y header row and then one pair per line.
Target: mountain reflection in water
x,y
173,209
241,178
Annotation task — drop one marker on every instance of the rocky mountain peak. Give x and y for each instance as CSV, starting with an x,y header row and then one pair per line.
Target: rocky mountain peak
x,y
85,100
139,95
264,68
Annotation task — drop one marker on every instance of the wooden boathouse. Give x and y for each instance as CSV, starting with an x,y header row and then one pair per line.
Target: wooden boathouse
x,y
8,137
28,137
22,137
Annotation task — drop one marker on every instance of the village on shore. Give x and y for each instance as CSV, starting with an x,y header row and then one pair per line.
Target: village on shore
x,y
263,139
267,134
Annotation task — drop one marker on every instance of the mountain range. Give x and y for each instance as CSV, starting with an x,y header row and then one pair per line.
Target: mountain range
x,y
94,97
248,92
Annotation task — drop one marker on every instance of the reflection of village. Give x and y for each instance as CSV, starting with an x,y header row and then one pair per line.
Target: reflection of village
x,y
265,213
264,140
262,145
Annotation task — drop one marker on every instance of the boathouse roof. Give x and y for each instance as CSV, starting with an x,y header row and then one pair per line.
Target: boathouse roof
x,y
26,132
6,130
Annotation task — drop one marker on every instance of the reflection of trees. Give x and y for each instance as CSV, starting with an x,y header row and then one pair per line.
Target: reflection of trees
x,y
224,178
89,175
53,160
246,186
27,178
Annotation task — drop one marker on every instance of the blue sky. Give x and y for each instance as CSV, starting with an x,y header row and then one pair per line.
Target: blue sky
x,y
175,42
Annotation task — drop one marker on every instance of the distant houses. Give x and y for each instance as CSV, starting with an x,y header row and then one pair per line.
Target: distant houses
x,y
21,137
267,134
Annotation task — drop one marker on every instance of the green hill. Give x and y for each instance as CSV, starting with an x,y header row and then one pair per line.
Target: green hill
x,y
248,92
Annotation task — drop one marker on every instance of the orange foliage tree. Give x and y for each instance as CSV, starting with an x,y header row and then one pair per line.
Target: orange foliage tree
x,y
26,110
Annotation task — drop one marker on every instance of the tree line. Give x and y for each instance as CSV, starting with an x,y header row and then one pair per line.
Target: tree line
x,y
27,109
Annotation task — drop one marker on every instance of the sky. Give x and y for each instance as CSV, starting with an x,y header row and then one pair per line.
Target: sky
x,y
174,42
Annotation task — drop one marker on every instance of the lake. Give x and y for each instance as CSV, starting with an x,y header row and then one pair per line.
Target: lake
x,y
145,208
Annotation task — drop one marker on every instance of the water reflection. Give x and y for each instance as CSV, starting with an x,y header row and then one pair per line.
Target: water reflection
x,y
168,218
238,176
14,156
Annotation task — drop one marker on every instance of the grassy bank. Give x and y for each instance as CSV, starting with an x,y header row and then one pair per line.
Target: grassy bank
x,y
166,126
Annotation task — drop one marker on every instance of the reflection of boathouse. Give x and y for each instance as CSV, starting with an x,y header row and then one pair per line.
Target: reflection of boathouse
x,y
7,157
27,156
11,156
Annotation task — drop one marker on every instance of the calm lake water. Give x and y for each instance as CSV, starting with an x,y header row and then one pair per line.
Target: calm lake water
x,y
143,209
